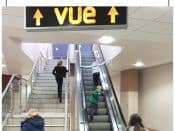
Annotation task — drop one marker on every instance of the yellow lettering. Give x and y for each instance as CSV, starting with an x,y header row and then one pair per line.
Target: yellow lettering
x,y
61,17
89,15
71,16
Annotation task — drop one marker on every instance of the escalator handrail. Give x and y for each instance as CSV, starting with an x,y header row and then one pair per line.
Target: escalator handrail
x,y
83,120
84,96
112,87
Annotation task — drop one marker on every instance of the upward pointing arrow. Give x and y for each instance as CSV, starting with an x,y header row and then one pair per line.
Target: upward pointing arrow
x,y
38,16
112,13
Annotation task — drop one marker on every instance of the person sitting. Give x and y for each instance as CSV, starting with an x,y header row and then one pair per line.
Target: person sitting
x,y
94,99
34,122
135,123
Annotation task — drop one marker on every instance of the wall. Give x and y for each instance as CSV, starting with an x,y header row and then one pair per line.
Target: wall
x,y
109,55
17,62
59,51
5,80
4,66
156,97
129,92
33,50
72,53
116,83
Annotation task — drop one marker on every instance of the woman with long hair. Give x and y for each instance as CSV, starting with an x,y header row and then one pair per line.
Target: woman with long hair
x,y
135,123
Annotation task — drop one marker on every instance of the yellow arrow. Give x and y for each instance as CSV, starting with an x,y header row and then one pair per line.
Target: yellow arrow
x,y
113,12
38,16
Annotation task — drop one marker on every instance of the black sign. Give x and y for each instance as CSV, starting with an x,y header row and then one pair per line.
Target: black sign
x,y
75,17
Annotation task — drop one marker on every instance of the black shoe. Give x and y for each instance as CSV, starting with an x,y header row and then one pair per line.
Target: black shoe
x,y
60,100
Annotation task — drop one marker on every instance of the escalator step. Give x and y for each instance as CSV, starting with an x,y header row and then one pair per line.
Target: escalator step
x,y
100,130
88,82
100,118
86,69
102,111
100,104
99,126
90,88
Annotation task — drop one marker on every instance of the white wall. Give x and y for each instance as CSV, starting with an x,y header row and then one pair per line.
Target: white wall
x,y
4,66
33,50
116,83
17,62
156,97
72,53
109,52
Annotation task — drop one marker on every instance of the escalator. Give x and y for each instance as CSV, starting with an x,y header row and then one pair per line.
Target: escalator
x,y
109,116
101,121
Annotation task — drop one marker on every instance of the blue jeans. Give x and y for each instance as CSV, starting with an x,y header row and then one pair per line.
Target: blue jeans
x,y
93,109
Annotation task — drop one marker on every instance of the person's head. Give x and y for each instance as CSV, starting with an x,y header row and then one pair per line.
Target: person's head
x,y
135,120
33,112
59,63
99,88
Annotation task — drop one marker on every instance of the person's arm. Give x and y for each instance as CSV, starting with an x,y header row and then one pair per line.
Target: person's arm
x,y
66,69
53,72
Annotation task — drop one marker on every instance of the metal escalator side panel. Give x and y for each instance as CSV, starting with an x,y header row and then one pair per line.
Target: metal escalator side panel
x,y
113,100
80,96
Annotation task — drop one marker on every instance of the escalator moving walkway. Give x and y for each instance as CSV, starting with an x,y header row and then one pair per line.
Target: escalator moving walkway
x,y
101,121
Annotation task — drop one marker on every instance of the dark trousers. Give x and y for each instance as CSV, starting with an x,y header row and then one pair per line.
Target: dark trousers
x,y
96,78
93,109
59,83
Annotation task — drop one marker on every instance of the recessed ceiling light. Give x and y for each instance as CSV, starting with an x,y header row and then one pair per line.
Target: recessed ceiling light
x,y
56,48
139,64
106,39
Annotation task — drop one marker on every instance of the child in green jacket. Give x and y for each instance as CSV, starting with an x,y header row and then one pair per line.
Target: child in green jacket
x,y
94,99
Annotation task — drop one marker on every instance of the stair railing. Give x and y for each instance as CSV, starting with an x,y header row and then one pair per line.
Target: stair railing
x,y
67,95
11,97
7,98
42,62
112,100
37,68
19,89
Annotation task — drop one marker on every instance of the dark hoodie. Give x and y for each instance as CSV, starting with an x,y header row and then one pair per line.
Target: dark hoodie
x,y
35,123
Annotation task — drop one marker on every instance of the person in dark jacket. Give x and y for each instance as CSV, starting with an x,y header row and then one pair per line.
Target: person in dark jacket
x,y
34,122
94,99
59,71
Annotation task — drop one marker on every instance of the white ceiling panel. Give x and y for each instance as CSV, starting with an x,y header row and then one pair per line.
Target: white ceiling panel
x,y
14,11
148,13
168,30
134,24
132,10
167,18
151,37
13,21
153,27
154,2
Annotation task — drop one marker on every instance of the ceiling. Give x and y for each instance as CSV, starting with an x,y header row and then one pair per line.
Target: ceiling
x,y
149,36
